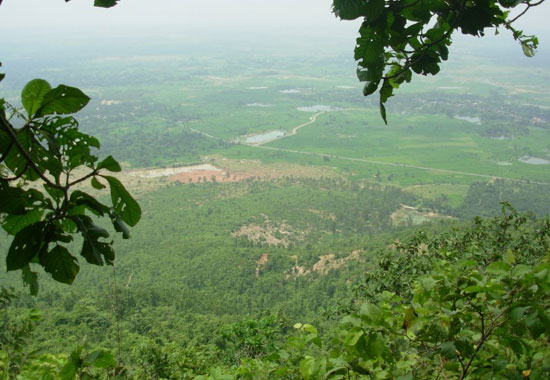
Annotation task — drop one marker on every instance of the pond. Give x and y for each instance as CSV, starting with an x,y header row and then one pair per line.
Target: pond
x,y
259,105
264,137
469,119
317,108
533,160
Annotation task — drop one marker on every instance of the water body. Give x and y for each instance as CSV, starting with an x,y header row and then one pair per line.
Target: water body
x,y
469,119
534,160
259,105
291,91
264,137
317,108
257,88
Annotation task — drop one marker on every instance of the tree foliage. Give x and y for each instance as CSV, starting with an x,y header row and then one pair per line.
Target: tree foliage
x,y
399,37
43,160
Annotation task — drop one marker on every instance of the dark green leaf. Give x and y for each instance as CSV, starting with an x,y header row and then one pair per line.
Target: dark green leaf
x,y
33,94
97,185
123,203
383,113
386,91
110,164
16,200
349,9
60,264
80,198
105,3
93,250
63,100
517,313
25,246
370,88
15,223
448,350
120,226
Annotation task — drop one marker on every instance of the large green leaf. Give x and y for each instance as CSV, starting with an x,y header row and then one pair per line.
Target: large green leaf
x,y
63,100
123,203
33,94
60,264
15,223
16,200
25,246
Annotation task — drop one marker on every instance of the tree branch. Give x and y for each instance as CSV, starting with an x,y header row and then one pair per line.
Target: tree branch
x,y
9,129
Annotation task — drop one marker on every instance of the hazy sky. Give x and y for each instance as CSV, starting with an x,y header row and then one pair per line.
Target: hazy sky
x,y
54,23
35,15
213,14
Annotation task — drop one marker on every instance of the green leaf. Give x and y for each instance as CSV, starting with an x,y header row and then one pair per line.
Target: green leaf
x,y
33,94
348,9
410,318
93,250
79,198
15,199
517,313
310,329
120,226
353,336
370,88
499,267
383,113
528,49
97,185
510,258
406,377
30,279
474,289
60,264
110,164
448,350
68,372
25,246
63,100
15,223
123,203
105,3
